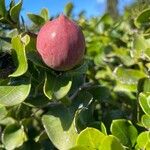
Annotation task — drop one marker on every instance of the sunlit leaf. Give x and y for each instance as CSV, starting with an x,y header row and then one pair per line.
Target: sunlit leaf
x,y
91,138
14,94
124,131
144,100
56,86
19,47
13,136
15,11
111,143
60,127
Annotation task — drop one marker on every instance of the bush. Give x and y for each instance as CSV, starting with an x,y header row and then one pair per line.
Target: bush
x,y
103,103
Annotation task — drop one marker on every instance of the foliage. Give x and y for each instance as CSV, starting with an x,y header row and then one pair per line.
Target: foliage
x,y
103,104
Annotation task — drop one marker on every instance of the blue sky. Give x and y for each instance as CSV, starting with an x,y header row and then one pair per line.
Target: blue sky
x,y
92,7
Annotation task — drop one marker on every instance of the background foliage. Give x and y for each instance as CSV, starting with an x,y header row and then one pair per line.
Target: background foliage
x,y
104,103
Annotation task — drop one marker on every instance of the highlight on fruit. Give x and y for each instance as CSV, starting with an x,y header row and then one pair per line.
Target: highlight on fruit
x,y
61,43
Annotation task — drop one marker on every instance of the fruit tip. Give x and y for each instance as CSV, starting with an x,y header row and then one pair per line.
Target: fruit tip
x,y
62,16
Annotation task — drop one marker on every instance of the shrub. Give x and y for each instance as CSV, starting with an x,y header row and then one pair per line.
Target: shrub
x,y
102,103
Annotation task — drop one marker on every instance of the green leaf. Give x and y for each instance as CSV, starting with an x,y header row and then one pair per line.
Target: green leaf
x,y
68,9
3,112
143,140
7,121
144,85
140,46
60,127
80,148
36,19
14,94
13,136
107,19
56,86
128,76
45,14
143,18
18,45
32,53
91,138
103,128
82,69
101,93
111,143
125,87
37,101
124,131
15,11
139,43
12,3
124,55
2,8
146,121
144,100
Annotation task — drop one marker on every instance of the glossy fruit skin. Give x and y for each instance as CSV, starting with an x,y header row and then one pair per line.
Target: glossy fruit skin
x,y
61,44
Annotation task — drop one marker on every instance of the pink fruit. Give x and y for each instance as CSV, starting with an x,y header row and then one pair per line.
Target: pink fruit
x,y
61,43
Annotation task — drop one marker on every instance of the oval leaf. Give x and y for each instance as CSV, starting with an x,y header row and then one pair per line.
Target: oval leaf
x,y
143,18
14,94
146,121
13,136
45,14
144,100
143,139
56,86
91,138
19,47
128,76
124,131
59,126
36,19
111,143
15,11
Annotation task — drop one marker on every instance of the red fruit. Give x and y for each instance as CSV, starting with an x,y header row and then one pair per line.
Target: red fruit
x,y
61,43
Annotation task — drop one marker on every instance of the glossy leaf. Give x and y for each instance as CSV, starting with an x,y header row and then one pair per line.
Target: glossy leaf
x,y
128,76
68,9
144,100
143,140
143,18
144,85
60,127
14,94
45,14
91,138
36,19
13,136
125,87
103,128
56,86
111,143
15,11
19,47
7,121
124,131
146,121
